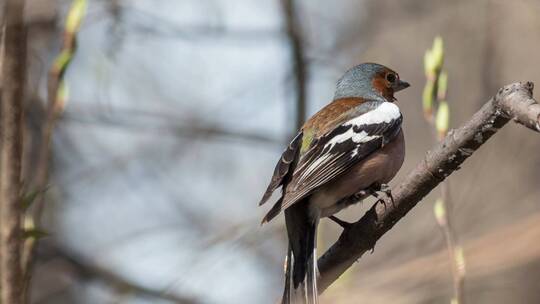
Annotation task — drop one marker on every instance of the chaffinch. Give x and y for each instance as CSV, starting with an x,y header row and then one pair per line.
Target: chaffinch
x,y
345,152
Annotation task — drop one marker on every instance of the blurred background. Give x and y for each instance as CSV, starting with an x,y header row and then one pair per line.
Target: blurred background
x,y
178,111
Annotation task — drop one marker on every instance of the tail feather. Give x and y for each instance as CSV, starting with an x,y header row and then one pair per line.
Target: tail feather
x,y
286,299
301,265
273,212
311,275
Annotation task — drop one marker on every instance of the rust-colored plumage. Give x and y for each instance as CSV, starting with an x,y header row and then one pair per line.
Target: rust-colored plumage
x,y
381,84
329,116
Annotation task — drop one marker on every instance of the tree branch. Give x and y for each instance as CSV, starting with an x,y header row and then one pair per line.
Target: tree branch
x,y
164,125
513,101
13,80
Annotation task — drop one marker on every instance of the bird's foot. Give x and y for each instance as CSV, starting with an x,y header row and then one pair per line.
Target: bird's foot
x,y
345,225
384,188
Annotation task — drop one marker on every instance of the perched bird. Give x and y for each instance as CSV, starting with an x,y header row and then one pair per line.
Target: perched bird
x,y
345,152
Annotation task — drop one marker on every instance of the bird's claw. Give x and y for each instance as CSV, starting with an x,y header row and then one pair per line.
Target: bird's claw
x,y
384,188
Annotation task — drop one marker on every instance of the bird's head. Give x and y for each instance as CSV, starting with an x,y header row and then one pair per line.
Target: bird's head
x,y
369,80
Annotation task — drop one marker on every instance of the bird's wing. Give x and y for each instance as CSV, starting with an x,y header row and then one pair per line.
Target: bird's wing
x,y
283,167
344,146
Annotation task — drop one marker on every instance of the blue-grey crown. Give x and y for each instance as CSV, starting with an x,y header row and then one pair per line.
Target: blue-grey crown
x,y
357,82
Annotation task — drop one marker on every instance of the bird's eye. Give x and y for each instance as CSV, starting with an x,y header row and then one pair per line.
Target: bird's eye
x,y
391,77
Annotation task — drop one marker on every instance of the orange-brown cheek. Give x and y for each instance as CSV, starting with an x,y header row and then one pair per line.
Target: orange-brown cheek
x,y
379,84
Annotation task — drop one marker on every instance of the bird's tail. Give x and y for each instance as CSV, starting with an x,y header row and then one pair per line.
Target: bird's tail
x,y
301,261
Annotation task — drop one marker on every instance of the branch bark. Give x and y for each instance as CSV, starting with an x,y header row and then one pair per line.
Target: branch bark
x,y
13,79
513,101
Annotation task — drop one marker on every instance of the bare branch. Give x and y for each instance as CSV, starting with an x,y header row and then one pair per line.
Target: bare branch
x,y
165,125
13,80
513,101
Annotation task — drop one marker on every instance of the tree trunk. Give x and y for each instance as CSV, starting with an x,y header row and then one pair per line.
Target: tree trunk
x,y
13,79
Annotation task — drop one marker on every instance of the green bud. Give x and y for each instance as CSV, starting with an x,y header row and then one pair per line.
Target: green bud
x,y
442,85
34,234
427,100
437,52
460,260
75,16
30,231
440,212
442,120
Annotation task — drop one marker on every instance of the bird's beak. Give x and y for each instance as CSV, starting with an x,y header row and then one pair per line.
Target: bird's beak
x,y
400,85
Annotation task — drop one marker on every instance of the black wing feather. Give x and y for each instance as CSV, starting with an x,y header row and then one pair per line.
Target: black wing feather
x,y
283,167
337,158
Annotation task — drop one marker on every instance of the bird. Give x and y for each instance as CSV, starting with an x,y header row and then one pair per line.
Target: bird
x,y
344,153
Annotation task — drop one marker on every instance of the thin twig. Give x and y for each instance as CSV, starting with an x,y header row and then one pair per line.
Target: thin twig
x,y
445,223
452,246
55,107
511,102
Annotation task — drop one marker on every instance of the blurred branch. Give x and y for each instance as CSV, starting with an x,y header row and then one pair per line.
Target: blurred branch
x,y
294,34
40,14
171,126
122,285
200,32
490,70
151,25
56,97
197,131
11,111
513,101
454,249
